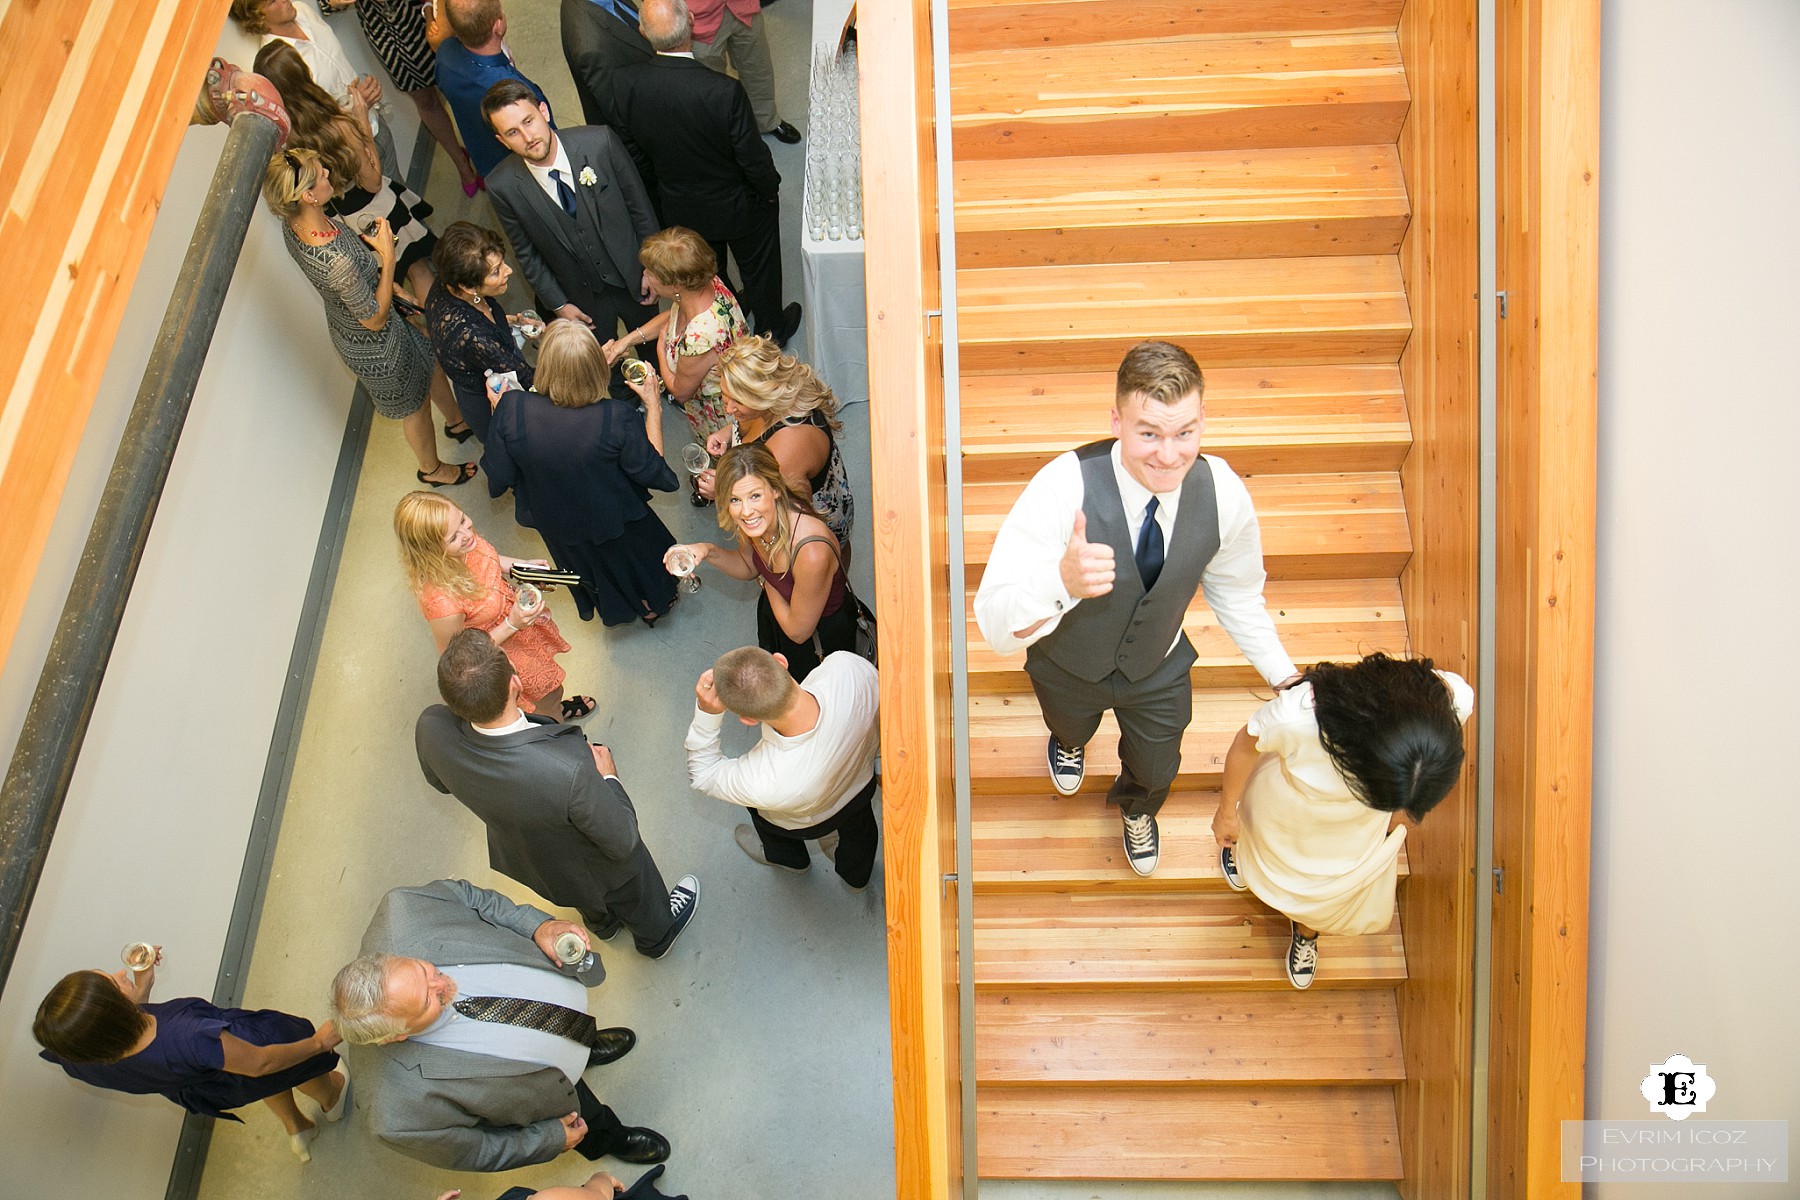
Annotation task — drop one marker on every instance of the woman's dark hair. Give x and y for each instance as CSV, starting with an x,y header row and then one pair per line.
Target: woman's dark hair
x,y
1391,729
461,255
87,1019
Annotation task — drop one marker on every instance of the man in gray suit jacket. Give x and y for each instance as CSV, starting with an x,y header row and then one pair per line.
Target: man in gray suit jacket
x,y
575,210
477,1067
558,819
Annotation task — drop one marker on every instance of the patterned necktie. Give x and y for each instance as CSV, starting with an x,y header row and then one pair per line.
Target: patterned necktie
x,y
564,192
1150,547
568,1023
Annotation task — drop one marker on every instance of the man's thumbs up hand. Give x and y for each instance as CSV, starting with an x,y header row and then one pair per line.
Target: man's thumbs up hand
x,y
1086,567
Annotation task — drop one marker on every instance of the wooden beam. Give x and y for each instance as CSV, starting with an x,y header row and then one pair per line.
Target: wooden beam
x,y
1440,262
96,100
912,590
1548,206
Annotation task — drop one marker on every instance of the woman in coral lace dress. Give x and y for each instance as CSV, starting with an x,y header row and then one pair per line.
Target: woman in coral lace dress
x,y
460,583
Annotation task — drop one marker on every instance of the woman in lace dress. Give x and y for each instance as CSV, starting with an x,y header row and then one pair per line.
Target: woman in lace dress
x,y
354,276
469,330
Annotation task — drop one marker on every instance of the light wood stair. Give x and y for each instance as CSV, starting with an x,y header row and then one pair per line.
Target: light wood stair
x,y
1224,176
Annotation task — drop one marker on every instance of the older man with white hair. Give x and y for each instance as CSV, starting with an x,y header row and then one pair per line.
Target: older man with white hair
x,y
471,1034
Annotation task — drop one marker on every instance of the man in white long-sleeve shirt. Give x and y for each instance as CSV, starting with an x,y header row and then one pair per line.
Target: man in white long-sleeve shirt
x,y
1094,568
813,774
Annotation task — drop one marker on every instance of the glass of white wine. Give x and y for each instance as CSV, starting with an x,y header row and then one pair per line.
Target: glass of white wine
x,y
139,956
683,562
695,458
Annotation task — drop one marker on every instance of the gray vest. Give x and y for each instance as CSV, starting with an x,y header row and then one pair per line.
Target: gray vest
x,y
1129,630
587,237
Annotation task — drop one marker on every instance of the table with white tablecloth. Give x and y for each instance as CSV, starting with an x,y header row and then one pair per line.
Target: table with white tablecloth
x,y
837,320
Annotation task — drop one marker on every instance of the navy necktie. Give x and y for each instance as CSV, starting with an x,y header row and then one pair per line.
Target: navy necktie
x,y
1150,547
564,192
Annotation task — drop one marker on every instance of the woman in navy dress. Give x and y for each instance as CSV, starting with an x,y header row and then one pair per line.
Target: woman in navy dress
x,y
581,465
102,1029
470,332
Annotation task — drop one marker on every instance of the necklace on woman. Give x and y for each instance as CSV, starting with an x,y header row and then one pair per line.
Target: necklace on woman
x,y
323,235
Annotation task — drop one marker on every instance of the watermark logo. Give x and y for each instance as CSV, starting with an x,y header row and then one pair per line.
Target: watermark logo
x,y
1678,1088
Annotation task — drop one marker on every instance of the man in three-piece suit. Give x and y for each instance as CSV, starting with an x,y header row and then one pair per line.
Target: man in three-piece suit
x,y
599,37
558,819
714,172
575,210
478,1066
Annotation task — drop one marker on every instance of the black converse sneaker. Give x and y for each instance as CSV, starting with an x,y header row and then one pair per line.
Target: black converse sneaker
x,y
1067,767
683,899
1302,957
1228,864
1141,843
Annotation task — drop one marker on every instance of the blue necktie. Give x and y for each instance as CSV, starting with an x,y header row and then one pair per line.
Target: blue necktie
x,y
618,10
1150,547
564,192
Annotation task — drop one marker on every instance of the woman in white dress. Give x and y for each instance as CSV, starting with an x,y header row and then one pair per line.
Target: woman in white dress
x,y
1319,788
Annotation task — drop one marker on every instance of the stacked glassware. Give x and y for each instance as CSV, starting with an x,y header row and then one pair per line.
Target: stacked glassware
x,y
834,148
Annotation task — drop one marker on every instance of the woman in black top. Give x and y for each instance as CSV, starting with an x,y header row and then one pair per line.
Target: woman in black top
x,y
581,466
470,332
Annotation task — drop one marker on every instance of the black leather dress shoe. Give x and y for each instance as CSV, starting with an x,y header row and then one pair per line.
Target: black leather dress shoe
x,y
610,1045
784,328
783,133
640,1145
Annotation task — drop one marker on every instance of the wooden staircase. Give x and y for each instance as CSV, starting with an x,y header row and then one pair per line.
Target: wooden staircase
x,y
1223,176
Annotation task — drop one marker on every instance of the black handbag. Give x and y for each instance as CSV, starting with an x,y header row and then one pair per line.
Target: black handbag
x,y
866,640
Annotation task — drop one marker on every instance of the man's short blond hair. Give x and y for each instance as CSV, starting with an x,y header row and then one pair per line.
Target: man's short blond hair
x,y
752,684
1160,371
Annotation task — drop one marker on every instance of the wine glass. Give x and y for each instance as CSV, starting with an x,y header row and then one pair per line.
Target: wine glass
x,y
682,564
695,458
139,956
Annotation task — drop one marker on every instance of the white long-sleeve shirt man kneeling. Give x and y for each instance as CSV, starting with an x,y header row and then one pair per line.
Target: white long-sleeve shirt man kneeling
x,y
812,777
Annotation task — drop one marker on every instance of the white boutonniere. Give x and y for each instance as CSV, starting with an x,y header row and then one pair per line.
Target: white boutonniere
x,y
587,177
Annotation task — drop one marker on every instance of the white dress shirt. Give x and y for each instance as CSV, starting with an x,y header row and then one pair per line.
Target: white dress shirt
x,y
1023,581
805,779
454,1031
559,162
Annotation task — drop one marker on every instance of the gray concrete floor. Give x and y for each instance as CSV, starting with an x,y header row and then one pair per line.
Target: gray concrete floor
x,y
763,1052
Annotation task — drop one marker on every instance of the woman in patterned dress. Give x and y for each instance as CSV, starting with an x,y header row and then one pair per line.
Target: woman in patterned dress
x,y
396,31
460,582
775,400
343,141
702,320
356,282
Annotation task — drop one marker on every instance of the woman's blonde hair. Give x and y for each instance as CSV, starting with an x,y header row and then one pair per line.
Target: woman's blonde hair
x,y
758,376
571,368
757,462
422,520
317,120
679,258
289,174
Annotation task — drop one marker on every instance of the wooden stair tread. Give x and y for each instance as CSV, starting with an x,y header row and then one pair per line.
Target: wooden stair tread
x,y
1243,312
1249,1133
1347,526
1283,420
1317,619
977,24
1291,1037
1122,940
1280,202
1036,840
1344,89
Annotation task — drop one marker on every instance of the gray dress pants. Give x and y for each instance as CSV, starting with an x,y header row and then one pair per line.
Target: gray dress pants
x,y
749,50
1152,713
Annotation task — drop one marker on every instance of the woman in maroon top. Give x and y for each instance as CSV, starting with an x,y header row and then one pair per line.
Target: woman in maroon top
x,y
803,612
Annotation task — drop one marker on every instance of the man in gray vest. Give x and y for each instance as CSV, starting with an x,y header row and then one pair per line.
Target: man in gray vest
x,y
1094,568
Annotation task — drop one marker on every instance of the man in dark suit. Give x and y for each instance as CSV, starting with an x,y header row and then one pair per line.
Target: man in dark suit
x,y
599,37
478,1067
558,819
576,211
714,172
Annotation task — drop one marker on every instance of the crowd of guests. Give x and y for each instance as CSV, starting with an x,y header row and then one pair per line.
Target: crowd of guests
x,y
465,1015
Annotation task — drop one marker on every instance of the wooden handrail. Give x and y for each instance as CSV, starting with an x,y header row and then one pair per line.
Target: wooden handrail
x,y
906,432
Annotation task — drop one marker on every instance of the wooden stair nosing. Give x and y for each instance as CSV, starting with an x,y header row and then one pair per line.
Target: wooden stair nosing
x,y
983,24
1230,313
1291,1038
1197,93
1034,840
1244,1133
1336,418
1286,202
1093,940
1317,620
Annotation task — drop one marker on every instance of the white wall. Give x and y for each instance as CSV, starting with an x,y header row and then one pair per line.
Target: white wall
x,y
152,837
1696,817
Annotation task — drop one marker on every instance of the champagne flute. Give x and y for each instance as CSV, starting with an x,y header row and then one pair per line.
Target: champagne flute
x,y
682,564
